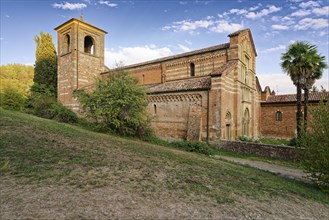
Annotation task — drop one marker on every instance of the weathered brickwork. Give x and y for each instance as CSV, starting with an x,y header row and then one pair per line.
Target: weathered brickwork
x,y
207,94
80,58
278,114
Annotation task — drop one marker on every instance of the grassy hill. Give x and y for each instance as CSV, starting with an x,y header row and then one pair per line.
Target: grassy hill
x,y
55,170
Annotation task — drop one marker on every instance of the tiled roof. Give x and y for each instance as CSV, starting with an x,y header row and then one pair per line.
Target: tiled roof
x,y
197,83
225,68
194,52
313,96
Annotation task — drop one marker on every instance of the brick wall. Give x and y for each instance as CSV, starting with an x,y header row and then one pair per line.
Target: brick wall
x,y
285,128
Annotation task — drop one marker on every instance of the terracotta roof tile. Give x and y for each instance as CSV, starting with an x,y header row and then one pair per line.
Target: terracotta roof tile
x,y
313,96
198,83
225,68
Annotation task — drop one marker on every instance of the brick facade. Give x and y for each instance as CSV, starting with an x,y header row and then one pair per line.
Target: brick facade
x,y
206,94
278,113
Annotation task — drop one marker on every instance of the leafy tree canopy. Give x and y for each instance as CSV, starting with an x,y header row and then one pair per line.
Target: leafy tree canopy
x,y
118,104
314,146
16,76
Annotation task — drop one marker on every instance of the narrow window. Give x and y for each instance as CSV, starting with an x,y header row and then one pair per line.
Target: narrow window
x,y
278,116
245,122
155,109
192,69
67,43
89,45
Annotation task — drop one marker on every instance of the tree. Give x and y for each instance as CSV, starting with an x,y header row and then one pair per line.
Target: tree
x,y
313,146
45,70
301,63
12,99
315,64
118,104
16,76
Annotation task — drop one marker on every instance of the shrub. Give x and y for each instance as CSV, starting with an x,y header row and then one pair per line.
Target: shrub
x,y
248,139
313,147
118,105
12,100
62,114
198,147
46,106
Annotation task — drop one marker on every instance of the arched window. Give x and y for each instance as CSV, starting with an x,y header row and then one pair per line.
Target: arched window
x,y
192,69
89,46
246,119
278,116
228,119
67,43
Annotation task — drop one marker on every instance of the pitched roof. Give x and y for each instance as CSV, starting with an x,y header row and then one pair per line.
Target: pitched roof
x,y
78,21
313,96
197,83
225,68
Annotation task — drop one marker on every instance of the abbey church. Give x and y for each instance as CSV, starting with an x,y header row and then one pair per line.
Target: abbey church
x,y
202,95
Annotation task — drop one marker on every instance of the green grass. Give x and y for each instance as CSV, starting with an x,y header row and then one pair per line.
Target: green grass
x,y
35,150
281,162
274,141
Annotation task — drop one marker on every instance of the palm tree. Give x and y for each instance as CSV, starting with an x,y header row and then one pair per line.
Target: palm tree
x,y
302,63
316,66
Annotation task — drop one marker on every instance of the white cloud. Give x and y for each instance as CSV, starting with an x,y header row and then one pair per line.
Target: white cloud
x,y
182,3
184,48
224,26
131,55
279,27
69,6
111,5
279,82
262,13
188,25
253,8
310,23
1,38
7,16
273,49
238,11
321,11
309,4
300,13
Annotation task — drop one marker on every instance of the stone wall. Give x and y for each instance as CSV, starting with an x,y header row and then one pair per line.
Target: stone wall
x,y
265,150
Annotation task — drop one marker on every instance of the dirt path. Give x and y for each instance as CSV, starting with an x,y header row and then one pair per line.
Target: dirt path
x,y
276,169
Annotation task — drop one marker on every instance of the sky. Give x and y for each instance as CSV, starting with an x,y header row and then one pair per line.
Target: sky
x,y
145,30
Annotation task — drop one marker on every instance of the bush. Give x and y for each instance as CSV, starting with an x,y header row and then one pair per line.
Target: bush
x,y
12,100
118,105
198,147
46,106
248,139
313,147
62,114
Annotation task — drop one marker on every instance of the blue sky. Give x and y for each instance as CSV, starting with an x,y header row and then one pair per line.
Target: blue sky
x,y
144,30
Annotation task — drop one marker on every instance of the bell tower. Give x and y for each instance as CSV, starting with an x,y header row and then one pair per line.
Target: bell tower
x,y
80,58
